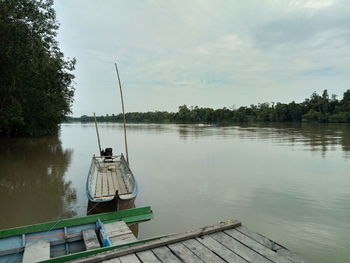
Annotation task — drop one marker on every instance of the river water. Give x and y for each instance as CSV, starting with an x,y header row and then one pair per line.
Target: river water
x,y
290,182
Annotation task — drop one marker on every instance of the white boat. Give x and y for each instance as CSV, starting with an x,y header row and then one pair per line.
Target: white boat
x,y
110,179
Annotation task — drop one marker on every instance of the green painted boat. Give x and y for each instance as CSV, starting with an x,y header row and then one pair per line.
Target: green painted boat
x,y
68,239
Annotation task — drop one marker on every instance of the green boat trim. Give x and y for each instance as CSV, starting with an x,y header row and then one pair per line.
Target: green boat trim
x,y
97,251
129,216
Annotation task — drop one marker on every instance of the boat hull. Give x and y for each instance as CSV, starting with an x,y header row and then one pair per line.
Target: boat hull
x,y
64,236
111,180
113,205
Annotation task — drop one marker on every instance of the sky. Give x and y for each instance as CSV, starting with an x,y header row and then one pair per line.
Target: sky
x,y
207,53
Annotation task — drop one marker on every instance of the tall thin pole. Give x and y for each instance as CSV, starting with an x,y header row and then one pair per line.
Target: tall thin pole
x,y
98,135
121,97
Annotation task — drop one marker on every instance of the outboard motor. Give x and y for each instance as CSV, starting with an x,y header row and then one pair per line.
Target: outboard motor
x,y
107,153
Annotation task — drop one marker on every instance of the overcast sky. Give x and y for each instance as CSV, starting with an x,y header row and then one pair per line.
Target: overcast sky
x,y
206,53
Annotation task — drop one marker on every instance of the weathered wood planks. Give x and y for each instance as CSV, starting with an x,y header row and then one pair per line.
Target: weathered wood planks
x,y
164,254
108,181
225,242
36,251
252,244
147,257
90,239
259,238
113,260
119,233
172,239
185,254
201,251
238,248
104,184
271,245
129,259
220,249
111,187
98,187
122,188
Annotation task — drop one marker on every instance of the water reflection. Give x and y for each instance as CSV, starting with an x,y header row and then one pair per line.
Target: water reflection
x,y
289,182
33,188
105,207
315,137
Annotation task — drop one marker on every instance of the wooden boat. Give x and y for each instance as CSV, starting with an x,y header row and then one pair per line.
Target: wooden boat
x,y
111,180
73,238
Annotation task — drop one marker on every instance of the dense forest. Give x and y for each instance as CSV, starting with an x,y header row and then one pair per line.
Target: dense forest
x,y
36,90
317,108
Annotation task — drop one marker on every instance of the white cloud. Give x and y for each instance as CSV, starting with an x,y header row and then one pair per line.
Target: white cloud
x,y
312,4
207,53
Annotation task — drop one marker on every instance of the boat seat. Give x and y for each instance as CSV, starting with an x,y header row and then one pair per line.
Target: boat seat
x,y
119,233
37,250
90,239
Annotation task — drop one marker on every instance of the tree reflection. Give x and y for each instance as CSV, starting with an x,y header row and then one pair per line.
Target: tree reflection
x,y
316,137
33,188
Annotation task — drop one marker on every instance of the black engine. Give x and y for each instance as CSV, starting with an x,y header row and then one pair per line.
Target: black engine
x,y
107,153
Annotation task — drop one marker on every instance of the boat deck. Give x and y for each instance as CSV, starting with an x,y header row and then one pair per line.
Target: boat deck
x,y
225,242
108,181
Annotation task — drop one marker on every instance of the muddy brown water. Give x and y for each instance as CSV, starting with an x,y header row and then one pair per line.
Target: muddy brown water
x,y
290,182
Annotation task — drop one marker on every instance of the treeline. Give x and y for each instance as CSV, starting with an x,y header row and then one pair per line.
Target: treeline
x,y
317,108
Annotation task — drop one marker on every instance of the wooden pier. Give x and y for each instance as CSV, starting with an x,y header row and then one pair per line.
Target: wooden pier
x,y
225,242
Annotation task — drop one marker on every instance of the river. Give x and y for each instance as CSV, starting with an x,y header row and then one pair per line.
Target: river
x,y
290,182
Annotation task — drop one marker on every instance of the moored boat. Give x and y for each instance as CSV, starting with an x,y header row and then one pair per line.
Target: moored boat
x,y
111,180
76,236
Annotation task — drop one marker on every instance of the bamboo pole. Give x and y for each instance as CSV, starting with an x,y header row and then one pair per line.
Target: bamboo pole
x,y
98,135
121,97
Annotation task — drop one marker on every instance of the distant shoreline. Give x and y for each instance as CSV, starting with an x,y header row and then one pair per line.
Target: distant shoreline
x,y
77,120
316,109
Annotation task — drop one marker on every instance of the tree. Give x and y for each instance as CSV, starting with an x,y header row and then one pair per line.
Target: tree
x,y
36,91
313,116
184,114
345,102
325,102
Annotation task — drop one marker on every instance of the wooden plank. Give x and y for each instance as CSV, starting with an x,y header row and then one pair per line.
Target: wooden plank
x,y
294,257
113,260
161,242
36,251
184,253
122,187
115,181
104,184
129,259
225,253
98,187
122,239
201,251
116,228
165,255
119,233
147,257
259,238
268,253
111,188
240,249
90,239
